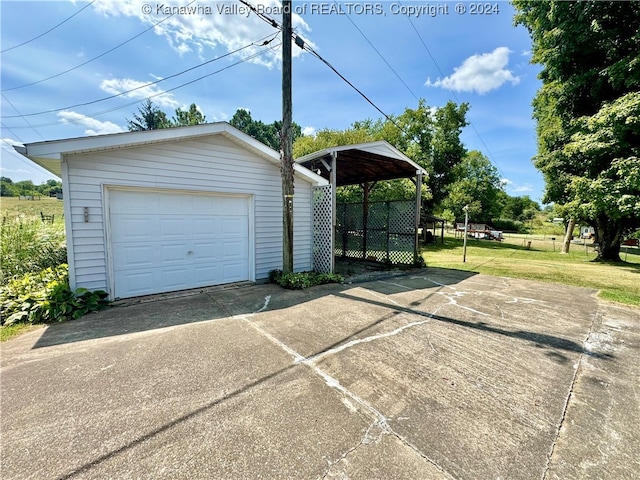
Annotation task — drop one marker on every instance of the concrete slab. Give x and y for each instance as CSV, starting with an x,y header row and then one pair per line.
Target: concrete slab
x,y
432,374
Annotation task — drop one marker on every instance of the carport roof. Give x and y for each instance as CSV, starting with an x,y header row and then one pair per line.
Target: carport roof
x,y
363,162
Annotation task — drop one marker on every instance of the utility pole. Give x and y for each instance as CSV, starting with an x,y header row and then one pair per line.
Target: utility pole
x,y
466,224
286,141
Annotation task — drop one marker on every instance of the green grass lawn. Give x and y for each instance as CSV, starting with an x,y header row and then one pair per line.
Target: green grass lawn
x,y
13,207
511,258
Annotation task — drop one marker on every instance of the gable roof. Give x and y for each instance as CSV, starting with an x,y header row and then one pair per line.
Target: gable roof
x,y
363,162
49,154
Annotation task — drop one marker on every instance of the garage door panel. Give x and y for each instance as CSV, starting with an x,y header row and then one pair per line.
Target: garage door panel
x,y
234,272
234,226
133,228
206,251
204,274
139,283
173,279
233,250
135,256
174,227
171,254
177,240
206,226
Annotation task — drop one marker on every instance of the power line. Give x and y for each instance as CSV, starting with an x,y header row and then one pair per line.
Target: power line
x,y
304,46
379,54
27,122
92,115
84,104
95,58
50,30
446,82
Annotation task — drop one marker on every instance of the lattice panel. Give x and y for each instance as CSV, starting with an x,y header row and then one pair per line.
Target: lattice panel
x,y
390,231
402,217
322,230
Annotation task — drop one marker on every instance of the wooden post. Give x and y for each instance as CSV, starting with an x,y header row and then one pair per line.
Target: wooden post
x,y
466,228
333,179
286,143
365,218
418,204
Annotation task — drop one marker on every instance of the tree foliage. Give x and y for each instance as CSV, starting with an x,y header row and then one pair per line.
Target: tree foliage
x,y
184,118
9,188
149,117
267,133
477,184
587,110
428,136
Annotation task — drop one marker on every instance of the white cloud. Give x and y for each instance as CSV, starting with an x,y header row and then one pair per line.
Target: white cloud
x,y
515,188
228,23
479,73
309,131
93,126
116,86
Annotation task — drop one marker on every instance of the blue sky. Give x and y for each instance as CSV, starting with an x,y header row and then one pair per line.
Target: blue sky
x,y
395,52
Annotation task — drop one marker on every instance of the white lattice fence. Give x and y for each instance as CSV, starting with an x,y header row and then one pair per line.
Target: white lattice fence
x,y
322,229
389,235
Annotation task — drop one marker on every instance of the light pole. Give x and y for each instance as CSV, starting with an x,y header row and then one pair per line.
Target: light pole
x,y
466,226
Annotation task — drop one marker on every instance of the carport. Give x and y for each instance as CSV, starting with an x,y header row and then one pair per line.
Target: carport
x,y
385,232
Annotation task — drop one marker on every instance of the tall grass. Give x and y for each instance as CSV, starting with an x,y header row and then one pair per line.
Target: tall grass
x,y
28,245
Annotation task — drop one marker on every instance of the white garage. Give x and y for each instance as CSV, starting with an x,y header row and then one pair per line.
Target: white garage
x,y
173,209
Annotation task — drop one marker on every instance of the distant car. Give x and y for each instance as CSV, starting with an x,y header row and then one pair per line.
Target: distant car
x,y
631,242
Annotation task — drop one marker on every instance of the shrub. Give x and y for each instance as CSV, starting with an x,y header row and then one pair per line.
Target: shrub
x,y
45,296
29,246
507,225
301,280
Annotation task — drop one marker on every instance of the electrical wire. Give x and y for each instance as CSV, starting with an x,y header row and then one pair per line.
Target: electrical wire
x,y
446,82
94,58
84,104
92,115
50,30
379,54
27,122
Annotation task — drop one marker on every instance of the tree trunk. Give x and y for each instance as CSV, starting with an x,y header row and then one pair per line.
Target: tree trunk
x,y
568,236
608,236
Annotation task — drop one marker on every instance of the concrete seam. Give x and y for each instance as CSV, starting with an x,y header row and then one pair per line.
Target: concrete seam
x,y
335,384
570,396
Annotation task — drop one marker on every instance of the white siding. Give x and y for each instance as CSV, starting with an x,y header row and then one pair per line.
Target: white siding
x,y
207,164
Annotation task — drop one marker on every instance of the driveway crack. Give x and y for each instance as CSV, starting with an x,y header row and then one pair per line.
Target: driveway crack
x,y
570,395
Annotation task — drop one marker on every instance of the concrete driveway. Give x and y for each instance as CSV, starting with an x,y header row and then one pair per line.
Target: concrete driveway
x,y
432,374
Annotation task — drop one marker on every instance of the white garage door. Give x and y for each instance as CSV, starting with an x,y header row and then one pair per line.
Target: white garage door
x,y
167,241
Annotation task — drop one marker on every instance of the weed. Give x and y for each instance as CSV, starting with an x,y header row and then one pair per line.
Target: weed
x,y
301,280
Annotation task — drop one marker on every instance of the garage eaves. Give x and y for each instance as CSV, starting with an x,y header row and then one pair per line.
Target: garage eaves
x,y
49,154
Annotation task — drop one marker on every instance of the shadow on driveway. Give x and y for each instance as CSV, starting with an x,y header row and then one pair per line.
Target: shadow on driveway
x,y
162,311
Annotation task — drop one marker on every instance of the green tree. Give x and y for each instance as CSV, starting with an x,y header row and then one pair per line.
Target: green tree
x,y
184,118
7,188
519,208
149,117
478,185
448,150
269,134
607,144
591,75
25,187
327,138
